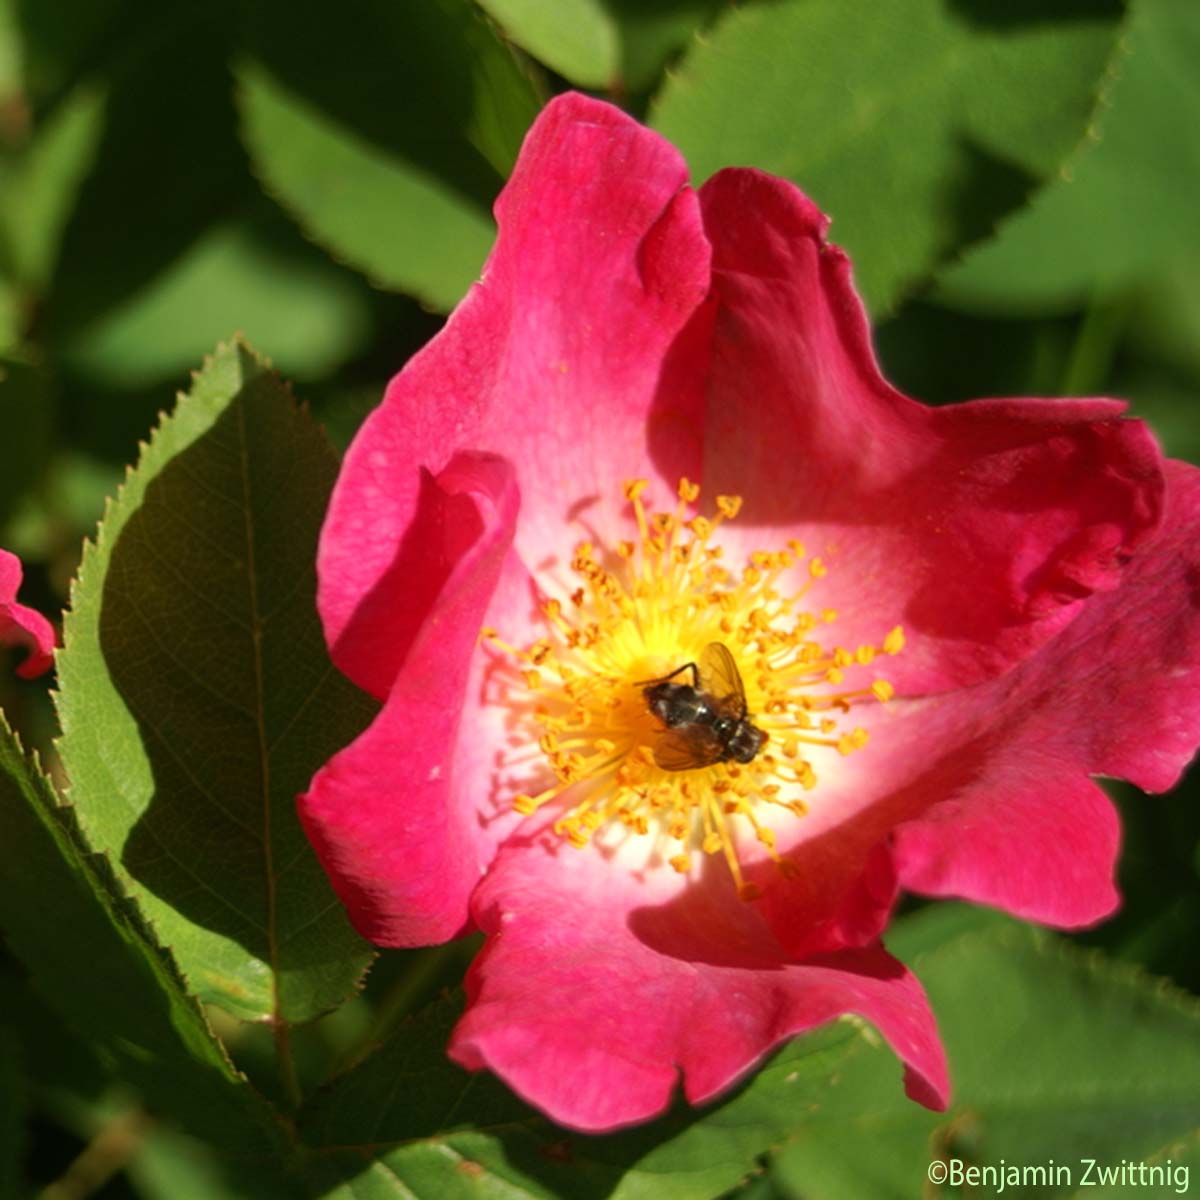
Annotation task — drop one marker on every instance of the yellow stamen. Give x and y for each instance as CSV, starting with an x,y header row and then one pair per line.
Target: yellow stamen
x,y
647,621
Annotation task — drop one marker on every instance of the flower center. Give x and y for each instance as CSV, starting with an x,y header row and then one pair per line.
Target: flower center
x,y
678,700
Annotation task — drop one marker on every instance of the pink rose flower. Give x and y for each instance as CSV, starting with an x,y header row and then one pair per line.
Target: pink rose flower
x,y
21,626
944,621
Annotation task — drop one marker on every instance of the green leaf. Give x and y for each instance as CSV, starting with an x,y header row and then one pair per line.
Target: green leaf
x,y
1127,207
96,961
167,166
915,127
11,318
41,183
10,53
197,698
43,157
579,39
1163,311
654,32
1054,1054
409,1119
170,1166
389,141
614,44
248,275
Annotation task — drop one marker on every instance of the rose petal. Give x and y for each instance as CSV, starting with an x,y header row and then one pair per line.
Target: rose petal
x,y
1118,693
555,361
592,993
1030,839
984,794
394,816
21,626
980,527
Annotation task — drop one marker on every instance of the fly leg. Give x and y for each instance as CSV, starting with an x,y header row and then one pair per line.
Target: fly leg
x,y
690,666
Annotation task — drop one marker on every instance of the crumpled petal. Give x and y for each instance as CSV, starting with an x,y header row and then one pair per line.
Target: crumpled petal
x,y
981,528
394,817
21,626
985,794
595,992
1118,694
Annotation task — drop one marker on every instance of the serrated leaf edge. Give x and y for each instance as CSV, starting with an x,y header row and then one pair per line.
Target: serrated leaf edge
x,y
98,542
92,548
1092,136
681,74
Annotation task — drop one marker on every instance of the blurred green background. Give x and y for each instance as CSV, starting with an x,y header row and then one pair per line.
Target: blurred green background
x,y
1017,182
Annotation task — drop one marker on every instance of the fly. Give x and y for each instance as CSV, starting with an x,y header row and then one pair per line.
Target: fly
x,y
705,720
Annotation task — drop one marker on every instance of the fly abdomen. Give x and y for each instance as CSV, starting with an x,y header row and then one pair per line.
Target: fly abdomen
x,y
744,742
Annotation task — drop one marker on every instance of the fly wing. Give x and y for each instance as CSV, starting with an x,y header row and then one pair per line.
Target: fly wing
x,y
688,747
719,674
